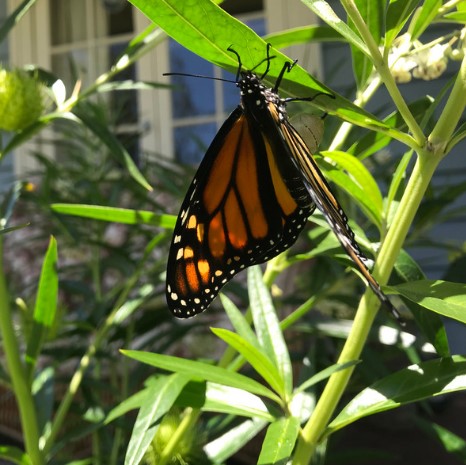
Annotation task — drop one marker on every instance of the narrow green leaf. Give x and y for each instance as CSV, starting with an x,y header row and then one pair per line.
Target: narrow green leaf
x,y
412,384
354,190
239,322
203,371
159,399
423,17
43,390
116,148
371,197
324,374
394,190
131,85
305,34
15,455
430,323
223,447
14,18
10,197
372,12
457,137
115,215
136,400
46,305
267,327
46,301
258,360
456,16
398,13
452,443
443,297
279,442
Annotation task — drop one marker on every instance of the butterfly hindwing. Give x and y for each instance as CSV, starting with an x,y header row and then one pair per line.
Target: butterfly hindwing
x,y
327,203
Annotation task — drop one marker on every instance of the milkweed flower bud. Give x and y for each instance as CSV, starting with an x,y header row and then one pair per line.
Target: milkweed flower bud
x,y
21,100
431,63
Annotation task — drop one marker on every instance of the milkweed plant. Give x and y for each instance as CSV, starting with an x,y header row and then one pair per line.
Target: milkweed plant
x,y
265,387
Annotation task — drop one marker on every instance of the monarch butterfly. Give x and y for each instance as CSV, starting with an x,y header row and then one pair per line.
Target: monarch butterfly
x,y
250,198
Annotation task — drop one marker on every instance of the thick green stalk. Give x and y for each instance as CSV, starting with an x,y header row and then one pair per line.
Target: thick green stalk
x,y
17,372
187,423
313,430
428,159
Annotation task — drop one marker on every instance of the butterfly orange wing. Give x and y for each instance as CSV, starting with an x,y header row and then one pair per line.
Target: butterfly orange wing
x,y
239,210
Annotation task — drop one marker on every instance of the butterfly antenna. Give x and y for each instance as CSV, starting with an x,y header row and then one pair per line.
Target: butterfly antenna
x,y
240,65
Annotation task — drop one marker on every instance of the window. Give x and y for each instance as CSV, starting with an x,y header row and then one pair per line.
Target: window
x,y
200,106
86,38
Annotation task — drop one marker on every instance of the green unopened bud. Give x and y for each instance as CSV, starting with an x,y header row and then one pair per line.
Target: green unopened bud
x,y
21,100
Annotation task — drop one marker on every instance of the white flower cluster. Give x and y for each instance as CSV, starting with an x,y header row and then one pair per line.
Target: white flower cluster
x,y
421,61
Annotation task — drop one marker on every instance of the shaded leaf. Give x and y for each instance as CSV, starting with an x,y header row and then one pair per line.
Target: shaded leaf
x,y
430,323
15,455
324,374
99,128
372,13
398,13
443,297
412,384
452,443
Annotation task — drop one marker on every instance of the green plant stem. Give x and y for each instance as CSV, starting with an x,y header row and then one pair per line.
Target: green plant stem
x,y
17,372
189,420
361,100
315,428
85,361
452,112
382,68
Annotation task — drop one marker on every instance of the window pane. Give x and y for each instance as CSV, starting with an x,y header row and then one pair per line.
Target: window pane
x,y
119,16
191,142
194,96
68,21
70,67
230,92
